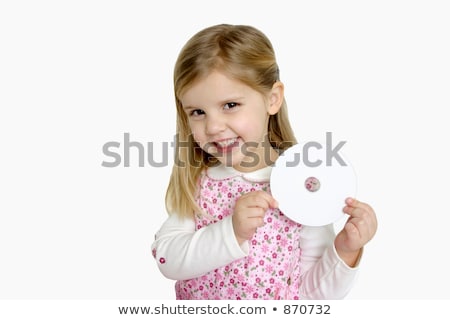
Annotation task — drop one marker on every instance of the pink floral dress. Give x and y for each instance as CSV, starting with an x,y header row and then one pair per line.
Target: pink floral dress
x,y
271,270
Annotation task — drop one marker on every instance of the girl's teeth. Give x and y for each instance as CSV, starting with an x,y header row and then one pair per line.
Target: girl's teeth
x,y
226,143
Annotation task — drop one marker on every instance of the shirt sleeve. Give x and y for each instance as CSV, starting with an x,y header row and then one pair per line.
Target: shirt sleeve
x,y
323,274
184,253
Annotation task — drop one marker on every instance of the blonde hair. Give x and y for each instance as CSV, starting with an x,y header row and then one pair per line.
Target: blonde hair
x,y
245,54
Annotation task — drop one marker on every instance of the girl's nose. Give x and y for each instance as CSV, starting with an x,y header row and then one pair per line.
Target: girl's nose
x,y
214,125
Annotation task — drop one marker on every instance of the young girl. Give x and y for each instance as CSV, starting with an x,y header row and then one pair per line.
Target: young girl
x,y
224,237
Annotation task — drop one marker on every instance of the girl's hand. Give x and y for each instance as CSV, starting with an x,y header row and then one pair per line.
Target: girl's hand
x,y
249,213
358,230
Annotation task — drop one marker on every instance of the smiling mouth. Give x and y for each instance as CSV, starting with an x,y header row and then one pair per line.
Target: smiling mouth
x,y
226,146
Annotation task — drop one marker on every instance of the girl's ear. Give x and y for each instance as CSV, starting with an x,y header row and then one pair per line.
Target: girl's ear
x,y
276,98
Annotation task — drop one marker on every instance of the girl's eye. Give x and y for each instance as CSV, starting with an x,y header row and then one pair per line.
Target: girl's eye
x,y
197,112
230,105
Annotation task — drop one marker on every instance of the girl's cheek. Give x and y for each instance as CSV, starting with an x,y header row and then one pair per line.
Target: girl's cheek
x,y
197,138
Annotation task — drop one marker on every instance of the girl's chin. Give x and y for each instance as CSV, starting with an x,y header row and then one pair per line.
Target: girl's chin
x,y
243,164
230,162
237,158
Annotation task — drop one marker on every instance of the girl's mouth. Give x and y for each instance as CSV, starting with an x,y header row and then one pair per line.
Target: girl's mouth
x,y
226,145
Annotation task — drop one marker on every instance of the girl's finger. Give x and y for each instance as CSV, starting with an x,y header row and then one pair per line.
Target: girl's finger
x,y
355,203
356,211
261,199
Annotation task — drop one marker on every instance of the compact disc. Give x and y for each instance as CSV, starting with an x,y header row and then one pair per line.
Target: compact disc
x,y
311,181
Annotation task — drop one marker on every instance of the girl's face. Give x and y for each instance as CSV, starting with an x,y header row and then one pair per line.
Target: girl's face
x,y
229,120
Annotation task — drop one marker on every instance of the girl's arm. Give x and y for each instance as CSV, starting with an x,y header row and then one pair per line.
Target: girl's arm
x,y
324,274
183,253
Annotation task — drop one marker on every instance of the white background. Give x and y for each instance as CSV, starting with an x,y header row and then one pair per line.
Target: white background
x,y
77,74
